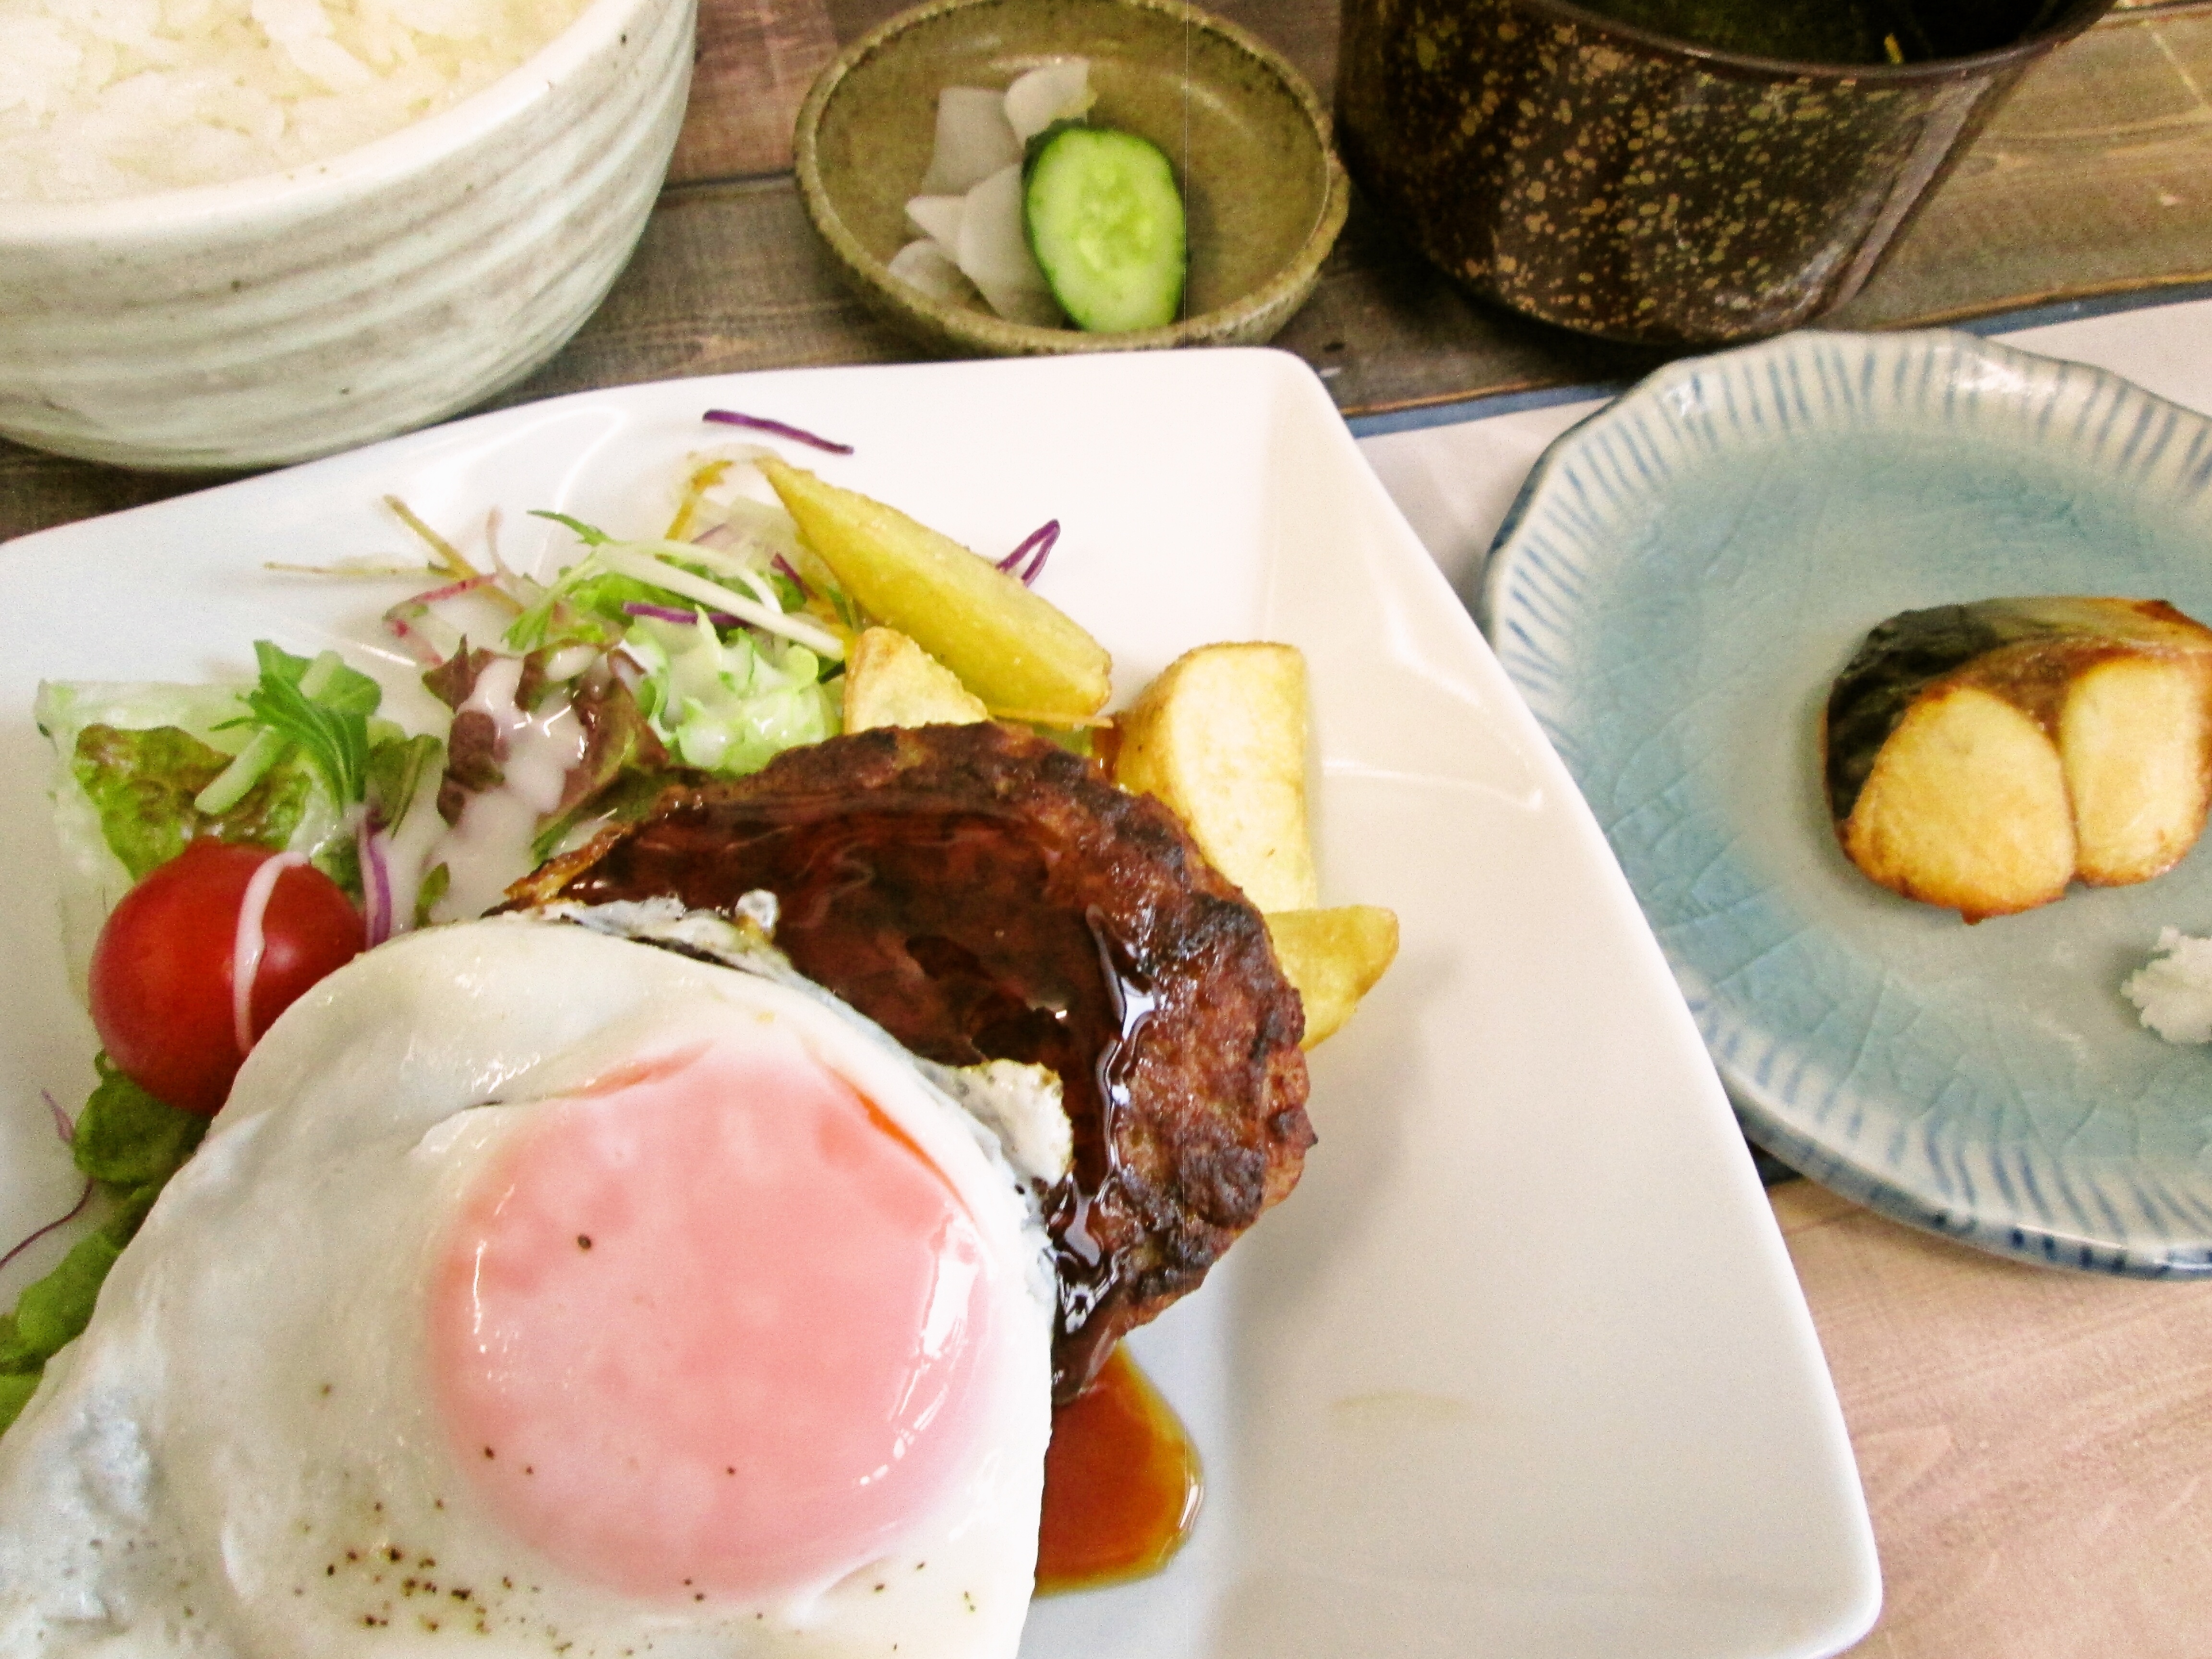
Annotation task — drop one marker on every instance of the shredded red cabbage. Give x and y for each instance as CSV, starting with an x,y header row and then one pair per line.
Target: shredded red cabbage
x,y
67,1131
375,883
762,423
782,566
1040,543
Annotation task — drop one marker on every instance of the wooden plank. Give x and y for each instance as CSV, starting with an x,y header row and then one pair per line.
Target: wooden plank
x,y
730,276
2036,1445
38,491
2096,176
755,60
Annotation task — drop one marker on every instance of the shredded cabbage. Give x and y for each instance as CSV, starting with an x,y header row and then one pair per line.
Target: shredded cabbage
x,y
728,706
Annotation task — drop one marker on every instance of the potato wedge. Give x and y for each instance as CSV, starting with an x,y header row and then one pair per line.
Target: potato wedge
x,y
1220,738
891,681
1334,957
1010,647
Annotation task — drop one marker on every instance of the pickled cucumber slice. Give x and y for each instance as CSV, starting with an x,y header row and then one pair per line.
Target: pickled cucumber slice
x,y
1106,223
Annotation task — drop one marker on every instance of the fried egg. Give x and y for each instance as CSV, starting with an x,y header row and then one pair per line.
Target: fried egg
x,y
540,1291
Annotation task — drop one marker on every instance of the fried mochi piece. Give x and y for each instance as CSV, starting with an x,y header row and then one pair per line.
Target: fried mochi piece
x,y
982,893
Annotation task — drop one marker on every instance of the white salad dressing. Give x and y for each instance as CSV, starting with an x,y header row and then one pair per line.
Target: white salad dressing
x,y
489,847
408,851
251,942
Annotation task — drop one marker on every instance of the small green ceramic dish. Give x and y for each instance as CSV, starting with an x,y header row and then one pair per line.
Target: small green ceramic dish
x,y
1263,190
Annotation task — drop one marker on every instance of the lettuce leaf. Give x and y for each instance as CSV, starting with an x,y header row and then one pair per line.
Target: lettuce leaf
x,y
399,769
136,804
131,1144
51,1313
318,707
623,759
730,706
16,1388
126,1138
143,784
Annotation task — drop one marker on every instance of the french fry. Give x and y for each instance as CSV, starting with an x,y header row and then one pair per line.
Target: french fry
x,y
1334,957
891,681
1007,645
1220,737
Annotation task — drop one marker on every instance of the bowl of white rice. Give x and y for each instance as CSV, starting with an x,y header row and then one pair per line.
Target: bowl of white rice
x,y
240,233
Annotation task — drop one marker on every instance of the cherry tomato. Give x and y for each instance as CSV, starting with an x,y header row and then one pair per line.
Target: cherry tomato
x,y
162,971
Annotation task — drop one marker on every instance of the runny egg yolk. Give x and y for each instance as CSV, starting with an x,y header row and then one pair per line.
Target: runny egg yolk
x,y
713,1327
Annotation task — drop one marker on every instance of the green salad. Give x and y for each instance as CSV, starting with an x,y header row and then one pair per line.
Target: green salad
x,y
715,648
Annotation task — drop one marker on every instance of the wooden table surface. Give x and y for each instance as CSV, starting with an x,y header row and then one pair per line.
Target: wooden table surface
x,y
2037,1447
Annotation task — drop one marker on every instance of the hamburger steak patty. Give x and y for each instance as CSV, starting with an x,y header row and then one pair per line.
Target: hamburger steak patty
x,y
982,893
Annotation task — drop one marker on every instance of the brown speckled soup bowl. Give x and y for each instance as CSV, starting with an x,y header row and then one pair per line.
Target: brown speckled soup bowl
x,y
1263,192
1594,173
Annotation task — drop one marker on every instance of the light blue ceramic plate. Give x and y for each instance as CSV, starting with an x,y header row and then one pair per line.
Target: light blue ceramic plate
x,y
1681,579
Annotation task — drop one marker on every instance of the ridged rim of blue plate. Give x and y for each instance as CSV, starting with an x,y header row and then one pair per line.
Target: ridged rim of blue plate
x,y
2105,1167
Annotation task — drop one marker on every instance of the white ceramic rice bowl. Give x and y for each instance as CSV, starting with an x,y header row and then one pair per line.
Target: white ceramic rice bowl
x,y
272,319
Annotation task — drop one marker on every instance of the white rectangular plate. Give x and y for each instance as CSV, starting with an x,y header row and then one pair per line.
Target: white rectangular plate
x,y
1522,1367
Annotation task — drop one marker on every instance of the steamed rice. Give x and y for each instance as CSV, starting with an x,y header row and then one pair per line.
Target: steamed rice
x,y
101,99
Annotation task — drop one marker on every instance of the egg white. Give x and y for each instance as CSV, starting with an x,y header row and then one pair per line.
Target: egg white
x,y
241,1455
